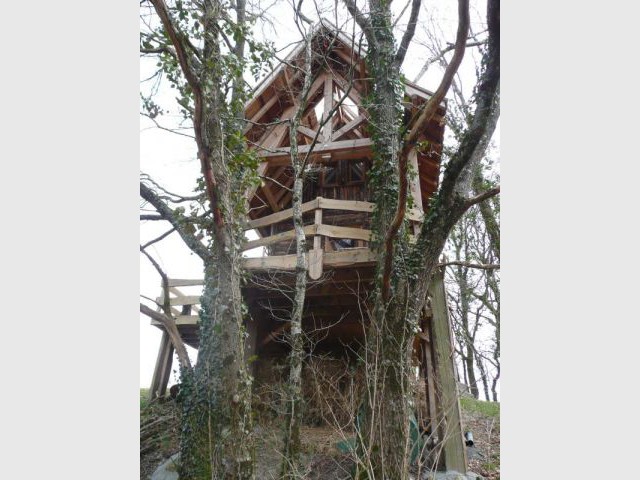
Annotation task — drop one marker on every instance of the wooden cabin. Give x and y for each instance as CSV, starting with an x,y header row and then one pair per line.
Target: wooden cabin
x,y
337,210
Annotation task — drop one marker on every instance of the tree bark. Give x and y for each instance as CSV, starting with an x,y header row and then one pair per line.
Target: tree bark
x,y
293,417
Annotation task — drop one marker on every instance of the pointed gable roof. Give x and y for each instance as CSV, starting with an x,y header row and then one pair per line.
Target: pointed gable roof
x,y
338,67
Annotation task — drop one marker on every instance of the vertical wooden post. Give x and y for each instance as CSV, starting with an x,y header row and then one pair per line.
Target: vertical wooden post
x,y
416,191
428,372
162,370
316,254
327,130
317,240
455,457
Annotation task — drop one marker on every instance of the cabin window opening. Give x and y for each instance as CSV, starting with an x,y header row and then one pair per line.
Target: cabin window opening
x,y
343,243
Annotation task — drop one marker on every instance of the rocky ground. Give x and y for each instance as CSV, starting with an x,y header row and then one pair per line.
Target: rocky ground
x,y
159,439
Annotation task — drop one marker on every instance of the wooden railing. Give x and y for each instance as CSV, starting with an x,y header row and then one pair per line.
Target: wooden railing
x,y
318,229
188,314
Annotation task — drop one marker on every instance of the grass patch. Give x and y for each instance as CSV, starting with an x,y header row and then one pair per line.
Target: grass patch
x,y
144,398
488,409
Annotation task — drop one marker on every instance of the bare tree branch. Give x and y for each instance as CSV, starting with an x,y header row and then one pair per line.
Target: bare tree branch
x,y
168,214
434,102
437,57
179,42
408,34
172,331
483,196
362,21
171,130
151,217
427,113
480,266
157,239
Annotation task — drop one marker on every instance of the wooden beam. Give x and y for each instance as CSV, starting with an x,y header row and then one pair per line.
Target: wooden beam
x,y
416,192
283,154
179,282
275,137
333,231
185,300
273,203
333,259
328,105
182,320
453,442
349,205
349,257
280,216
429,376
162,369
317,240
307,132
264,109
348,127
279,237
354,94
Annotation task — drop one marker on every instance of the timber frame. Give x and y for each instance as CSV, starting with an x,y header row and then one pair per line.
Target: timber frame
x,y
336,215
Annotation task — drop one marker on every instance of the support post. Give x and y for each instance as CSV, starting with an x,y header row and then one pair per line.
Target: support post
x,y
429,383
316,254
162,370
455,457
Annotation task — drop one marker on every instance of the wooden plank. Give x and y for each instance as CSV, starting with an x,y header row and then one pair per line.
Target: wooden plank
x,y
273,203
429,375
416,192
181,320
344,85
268,104
185,300
307,132
283,154
349,205
358,206
328,105
262,168
279,237
453,442
275,137
348,127
275,262
344,232
317,240
280,216
178,282
333,259
180,300
349,257
162,369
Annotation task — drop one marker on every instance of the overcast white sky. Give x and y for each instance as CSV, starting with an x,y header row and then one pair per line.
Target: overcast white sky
x,y
170,160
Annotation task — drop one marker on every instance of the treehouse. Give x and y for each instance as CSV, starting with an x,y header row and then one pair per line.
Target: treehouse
x,y
336,137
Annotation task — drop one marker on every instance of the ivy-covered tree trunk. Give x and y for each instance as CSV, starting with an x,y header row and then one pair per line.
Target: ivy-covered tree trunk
x,y
216,427
217,405
385,427
404,271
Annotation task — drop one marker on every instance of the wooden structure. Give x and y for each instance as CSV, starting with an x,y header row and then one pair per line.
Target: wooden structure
x,y
337,212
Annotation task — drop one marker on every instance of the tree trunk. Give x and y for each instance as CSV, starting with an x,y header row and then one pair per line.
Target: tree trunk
x,y
217,404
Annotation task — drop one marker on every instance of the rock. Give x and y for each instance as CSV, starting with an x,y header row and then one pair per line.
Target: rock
x,y
452,475
167,470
